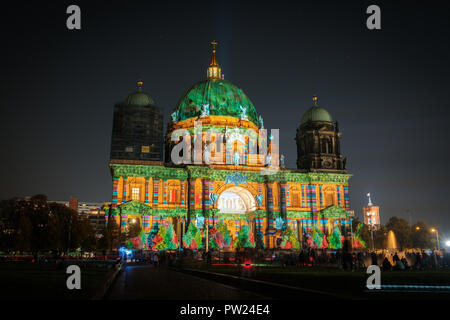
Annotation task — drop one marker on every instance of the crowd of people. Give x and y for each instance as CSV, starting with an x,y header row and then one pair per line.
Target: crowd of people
x,y
388,260
412,259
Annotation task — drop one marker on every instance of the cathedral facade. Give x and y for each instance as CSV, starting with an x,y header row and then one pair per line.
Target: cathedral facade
x,y
223,177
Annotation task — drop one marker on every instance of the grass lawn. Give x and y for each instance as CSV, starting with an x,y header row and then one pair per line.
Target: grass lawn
x,y
351,284
24,280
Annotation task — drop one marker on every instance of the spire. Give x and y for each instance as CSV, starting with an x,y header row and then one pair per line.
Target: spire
x,y
214,62
139,85
214,68
314,100
370,201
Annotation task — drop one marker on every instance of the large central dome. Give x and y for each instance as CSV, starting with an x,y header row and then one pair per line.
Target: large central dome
x,y
215,97
221,96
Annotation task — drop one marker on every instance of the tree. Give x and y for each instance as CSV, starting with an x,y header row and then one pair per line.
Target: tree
x,y
192,239
7,224
421,235
380,238
56,233
245,238
289,239
87,237
39,198
162,237
170,239
215,239
363,232
151,237
34,225
110,236
226,235
402,231
316,236
358,241
159,243
335,239
143,237
23,240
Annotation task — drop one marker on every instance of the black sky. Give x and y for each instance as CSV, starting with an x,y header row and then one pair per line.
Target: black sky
x,y
389,89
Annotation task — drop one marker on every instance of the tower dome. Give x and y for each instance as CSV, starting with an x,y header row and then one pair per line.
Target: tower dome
x,y
318,142
139,98
316,114
137,129
215,97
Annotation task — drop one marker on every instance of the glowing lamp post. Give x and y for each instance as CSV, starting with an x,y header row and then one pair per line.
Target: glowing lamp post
x,y
437,237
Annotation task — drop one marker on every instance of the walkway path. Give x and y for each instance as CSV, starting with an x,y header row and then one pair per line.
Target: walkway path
x,y
146,282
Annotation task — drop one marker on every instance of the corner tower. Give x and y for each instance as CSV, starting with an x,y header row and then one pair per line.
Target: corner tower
x,y
318,142
137,129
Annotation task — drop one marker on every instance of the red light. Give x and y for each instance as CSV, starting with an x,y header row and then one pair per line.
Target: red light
x,y
247,264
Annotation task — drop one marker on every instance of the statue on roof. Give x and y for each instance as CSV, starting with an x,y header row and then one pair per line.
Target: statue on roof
x,y
261,122
243,113
205,110
175,116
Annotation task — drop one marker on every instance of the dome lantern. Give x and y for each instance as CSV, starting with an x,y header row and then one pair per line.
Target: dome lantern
x,y
214,71
315,100
139,85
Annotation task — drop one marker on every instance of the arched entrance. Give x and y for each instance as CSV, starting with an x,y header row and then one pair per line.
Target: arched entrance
x,y
236,200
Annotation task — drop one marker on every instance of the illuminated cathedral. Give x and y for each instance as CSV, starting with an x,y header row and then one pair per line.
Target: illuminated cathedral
x,y
223,183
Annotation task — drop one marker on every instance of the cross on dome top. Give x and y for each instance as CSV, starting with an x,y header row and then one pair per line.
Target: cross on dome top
x,y
214,71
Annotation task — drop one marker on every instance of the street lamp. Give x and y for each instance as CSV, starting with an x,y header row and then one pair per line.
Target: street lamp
x,y
417,228
437,236
447,243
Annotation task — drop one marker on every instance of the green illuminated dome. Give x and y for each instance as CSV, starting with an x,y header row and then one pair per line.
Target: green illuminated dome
x,y
222,97
316,113
215,97
139,98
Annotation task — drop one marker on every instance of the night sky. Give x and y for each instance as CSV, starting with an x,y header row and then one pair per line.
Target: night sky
x,y
389,89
